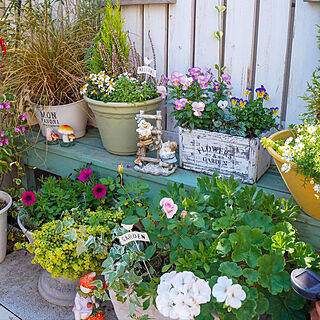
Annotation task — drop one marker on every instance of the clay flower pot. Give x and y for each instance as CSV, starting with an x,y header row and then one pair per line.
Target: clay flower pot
x,y
301,190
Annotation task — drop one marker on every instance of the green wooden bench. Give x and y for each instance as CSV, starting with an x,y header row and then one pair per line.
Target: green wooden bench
x,y
61,161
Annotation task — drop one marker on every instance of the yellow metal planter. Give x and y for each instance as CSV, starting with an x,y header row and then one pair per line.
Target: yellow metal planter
x,y
301,190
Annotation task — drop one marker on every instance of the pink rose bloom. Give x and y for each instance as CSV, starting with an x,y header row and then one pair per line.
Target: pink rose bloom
x,y
168,207
184,214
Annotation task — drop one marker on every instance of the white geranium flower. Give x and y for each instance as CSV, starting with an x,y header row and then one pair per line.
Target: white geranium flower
x,y
201,291
235,296
183,311
289,140
312,129
286,167
167,277
163,305
222,104
220,289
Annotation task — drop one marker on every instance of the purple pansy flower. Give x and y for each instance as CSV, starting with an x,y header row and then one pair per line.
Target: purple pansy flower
x,y
198,107
175,78
226,77
203,81
162,90
180,103
195,72
216,86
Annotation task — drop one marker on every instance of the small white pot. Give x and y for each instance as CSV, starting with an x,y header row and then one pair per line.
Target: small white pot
x,y
27,233
73,114
3,224
122,309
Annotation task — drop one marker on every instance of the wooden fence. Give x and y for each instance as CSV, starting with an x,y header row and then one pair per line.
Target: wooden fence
x,y
269,42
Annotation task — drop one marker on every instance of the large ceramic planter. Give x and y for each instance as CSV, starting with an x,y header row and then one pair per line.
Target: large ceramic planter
x,y
122,310
302,192
73,114
117,125
207,152
30,235
59,291
3,224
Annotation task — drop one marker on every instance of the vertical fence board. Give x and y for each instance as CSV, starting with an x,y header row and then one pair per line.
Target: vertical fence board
x,y
206,45
134,19
155,20
180,42
271,51
305,56
239,43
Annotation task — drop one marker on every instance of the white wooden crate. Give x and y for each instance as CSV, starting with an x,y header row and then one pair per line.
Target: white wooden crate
x,y
204,151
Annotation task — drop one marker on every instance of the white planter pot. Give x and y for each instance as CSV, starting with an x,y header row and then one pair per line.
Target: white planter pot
x,y
122,310
3,224
205,151
73,114
27,233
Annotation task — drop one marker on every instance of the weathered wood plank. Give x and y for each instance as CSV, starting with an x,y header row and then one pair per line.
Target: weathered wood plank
x,y
180,43
271,50
239,43
134,2
305,56
134,19
206,46
155,21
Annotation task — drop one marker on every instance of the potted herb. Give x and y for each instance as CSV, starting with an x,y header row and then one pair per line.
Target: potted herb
x,y
216,250
115,92
46,62
296,154
217,132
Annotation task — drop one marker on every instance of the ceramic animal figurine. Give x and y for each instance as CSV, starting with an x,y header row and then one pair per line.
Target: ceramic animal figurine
x,y
84,302
67,135
51,137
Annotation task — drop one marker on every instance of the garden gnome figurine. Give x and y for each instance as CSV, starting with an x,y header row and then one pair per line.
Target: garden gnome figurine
x,y
168,154
84,301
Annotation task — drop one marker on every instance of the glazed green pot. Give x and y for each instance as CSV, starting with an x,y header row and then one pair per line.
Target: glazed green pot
x,y
117,125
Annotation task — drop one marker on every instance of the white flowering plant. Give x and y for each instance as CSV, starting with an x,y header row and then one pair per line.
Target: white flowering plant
x,y
123,88
301,151
217,249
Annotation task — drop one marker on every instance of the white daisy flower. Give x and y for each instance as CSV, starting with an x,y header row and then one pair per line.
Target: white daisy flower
x,y
286,167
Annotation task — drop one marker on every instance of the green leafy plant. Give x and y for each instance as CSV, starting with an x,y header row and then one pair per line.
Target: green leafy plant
x,y
76,244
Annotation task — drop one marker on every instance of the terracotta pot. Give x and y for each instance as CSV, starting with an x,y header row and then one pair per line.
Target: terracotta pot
x,y
122,310
301,190
73,114
3,224
117,125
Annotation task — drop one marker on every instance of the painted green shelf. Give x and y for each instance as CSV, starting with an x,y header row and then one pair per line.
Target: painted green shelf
x,y
62,161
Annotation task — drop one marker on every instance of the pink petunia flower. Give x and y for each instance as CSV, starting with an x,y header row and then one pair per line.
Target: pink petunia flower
x,y
198,107
5,140
17,129
99,191
203,81
1,134
28,198
23,116
85,174
180,103
195,72
168,207
162,90
23,129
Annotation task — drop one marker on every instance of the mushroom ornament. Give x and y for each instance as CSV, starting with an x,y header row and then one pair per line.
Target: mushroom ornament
x,y
66,132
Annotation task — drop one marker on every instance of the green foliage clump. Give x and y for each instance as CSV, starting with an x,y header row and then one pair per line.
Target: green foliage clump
x,y
112,38
76,244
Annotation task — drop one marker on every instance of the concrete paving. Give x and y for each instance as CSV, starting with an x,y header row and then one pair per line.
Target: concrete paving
x,y
19,294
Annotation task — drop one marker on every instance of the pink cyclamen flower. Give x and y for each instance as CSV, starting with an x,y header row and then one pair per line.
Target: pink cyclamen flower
x,y
5,105
198,107
184,214
168,207
180,103
23,129
17,129
162,90
1,143
85,174
23,116
195,72
5,140
28,198
226,77
1,134
99,191
203,81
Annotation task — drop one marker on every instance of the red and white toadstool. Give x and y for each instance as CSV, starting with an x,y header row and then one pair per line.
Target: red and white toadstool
x,y
65,130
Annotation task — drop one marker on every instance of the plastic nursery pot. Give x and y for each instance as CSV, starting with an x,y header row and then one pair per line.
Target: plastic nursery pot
x,y
117,125
3,224
301,190
73,114
30,235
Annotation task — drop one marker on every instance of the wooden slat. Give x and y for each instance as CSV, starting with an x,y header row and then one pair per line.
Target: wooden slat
x,y
271,49
134,20
305,56
180,42
239,43
134,2
155,21
206,46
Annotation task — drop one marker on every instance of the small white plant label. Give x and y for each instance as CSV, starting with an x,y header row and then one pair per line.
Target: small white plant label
x,y
133,236
147,70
